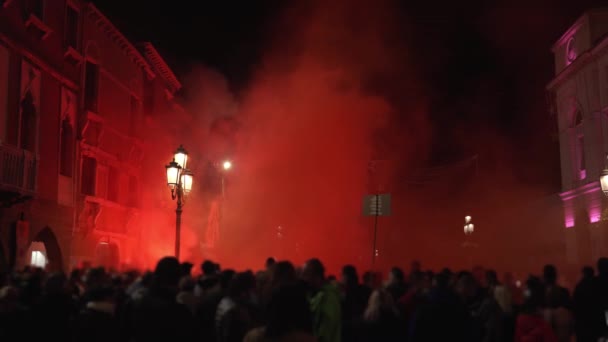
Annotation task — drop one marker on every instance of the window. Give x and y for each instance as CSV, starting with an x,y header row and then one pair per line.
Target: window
x,y
71,27
66,146
134,115
28,123
580,148
133,192
91,85
148,98
113,182
36,7
89,175
571,50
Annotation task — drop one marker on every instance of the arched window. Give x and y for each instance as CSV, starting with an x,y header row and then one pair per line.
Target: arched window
x,y
45,245
67,138
28,122
577,119
580,158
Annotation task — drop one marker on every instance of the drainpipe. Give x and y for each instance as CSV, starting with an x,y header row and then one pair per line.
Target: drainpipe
x,y
77,164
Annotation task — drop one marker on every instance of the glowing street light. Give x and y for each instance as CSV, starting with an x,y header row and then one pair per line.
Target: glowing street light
x,y
604,181
179,180
173,170
604,178
186,180
181,156
468,225
469,228
227,165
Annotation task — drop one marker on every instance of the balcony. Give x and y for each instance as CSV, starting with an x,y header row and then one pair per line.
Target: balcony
x,y
18,170
107,217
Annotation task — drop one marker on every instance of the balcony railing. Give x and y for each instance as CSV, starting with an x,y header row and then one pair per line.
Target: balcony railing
x,y
18,169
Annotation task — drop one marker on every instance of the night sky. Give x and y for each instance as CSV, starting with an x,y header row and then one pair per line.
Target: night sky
x,y
482,68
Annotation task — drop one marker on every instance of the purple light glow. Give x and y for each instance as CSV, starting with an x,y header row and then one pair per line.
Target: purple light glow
x,y
594,215
594,206
569,218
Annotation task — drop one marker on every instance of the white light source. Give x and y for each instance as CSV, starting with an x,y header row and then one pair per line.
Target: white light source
x,y
227,165
38,259
467,219
604,181
173,169
186,181
469,228
181,157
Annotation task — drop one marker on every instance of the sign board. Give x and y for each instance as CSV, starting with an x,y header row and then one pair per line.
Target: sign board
x,y
377,205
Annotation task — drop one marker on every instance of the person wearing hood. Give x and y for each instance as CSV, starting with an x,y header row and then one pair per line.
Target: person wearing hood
x,y
324,303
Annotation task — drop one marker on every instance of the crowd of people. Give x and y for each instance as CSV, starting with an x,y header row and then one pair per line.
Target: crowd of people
x,y
285,303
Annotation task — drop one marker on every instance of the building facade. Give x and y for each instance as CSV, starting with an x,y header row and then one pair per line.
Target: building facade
x,y
579,94
75,97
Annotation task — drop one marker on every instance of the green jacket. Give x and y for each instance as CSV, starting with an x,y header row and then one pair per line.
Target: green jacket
x,y
326,314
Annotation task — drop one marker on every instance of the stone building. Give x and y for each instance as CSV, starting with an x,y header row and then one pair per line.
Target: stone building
x,y
75,96
579,94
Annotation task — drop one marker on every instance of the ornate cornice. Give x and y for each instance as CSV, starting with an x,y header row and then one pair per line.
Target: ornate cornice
x,y
597,48
582,61
571,31
160,66
106,26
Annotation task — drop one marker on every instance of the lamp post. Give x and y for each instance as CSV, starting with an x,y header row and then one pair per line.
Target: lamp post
x,y
469,228
179,180
226,166
604,181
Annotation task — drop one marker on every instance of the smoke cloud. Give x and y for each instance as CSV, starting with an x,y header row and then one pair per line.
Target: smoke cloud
x,y
308,129
335,87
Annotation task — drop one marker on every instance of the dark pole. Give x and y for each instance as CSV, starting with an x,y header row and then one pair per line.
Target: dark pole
x,y
223,187
375,231
222,202
178,220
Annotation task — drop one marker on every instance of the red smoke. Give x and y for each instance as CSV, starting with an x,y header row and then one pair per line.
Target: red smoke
x,y
300,140
308,128
334,89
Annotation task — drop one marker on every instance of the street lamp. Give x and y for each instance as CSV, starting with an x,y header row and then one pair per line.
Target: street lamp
x,y
226,166
181,156
468,225
604,181
179,180
604,178
469,228
186,179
